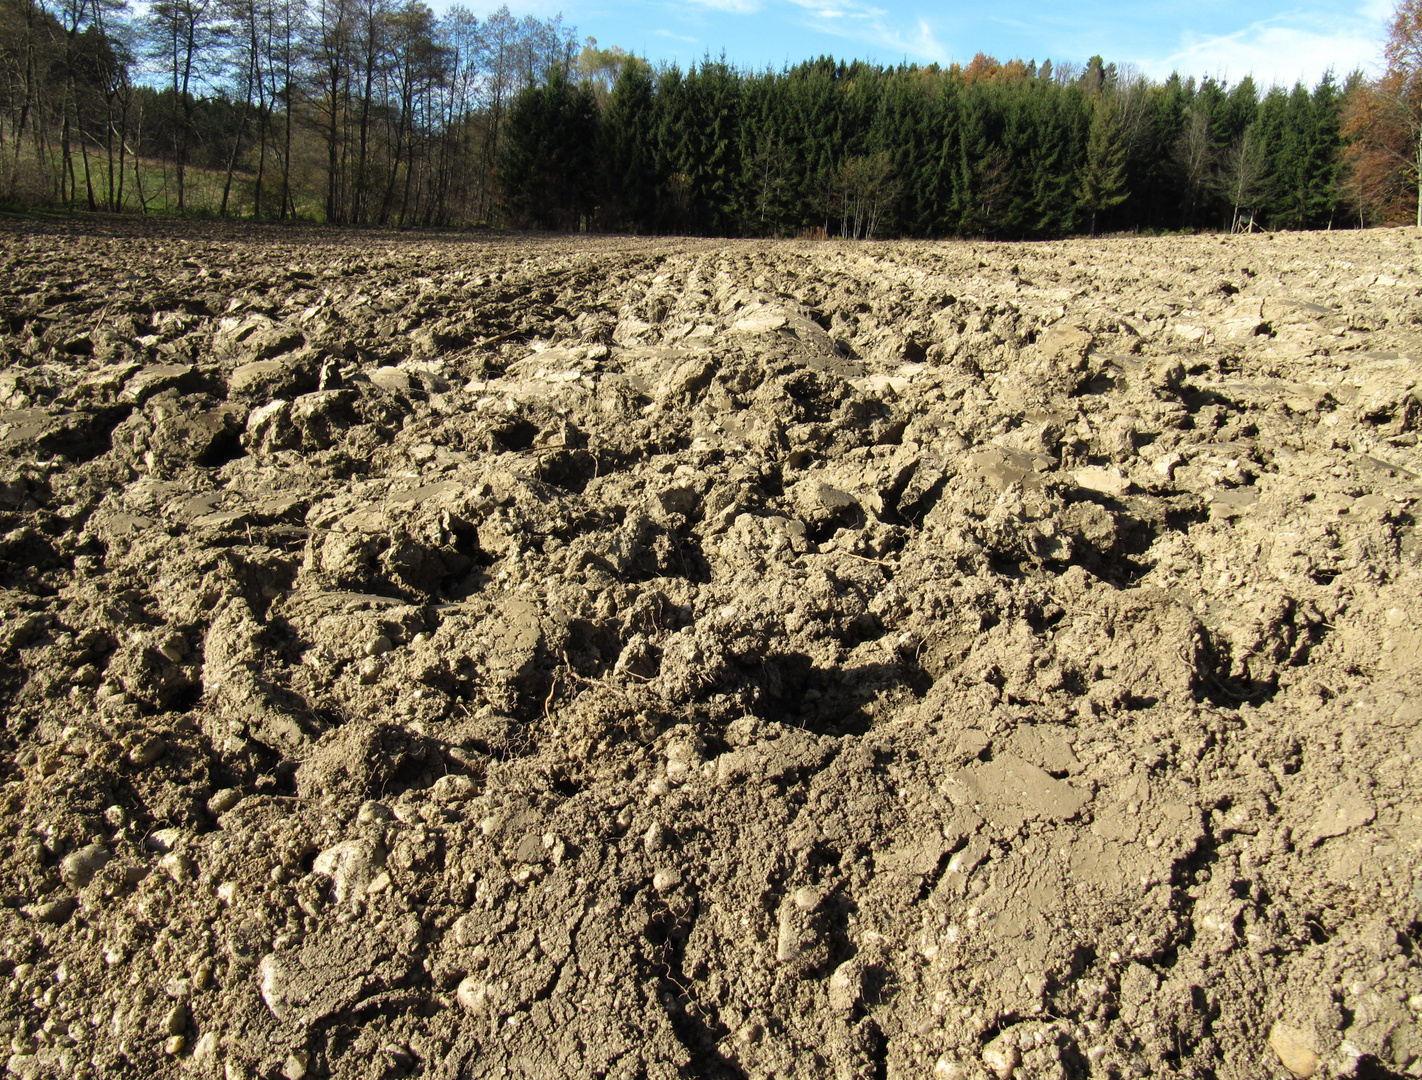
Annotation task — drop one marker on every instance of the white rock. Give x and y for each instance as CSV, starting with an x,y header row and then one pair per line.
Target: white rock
x,y
295,1065
78,868
846,986
1002,1057
148,751
473,995
265,414
350,865
371,811
666,879
1107,481
272,984
1295,1053
807,898
206,1048
453,788
657,837
177,866
390,378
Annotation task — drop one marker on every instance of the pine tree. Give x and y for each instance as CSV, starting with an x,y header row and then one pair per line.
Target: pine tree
x,y
548,154
1103,178
627,163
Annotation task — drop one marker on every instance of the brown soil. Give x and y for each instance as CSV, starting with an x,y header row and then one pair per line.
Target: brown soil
x,y
447,657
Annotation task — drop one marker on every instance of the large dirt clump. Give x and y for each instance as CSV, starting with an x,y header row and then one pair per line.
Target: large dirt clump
x,y
448,657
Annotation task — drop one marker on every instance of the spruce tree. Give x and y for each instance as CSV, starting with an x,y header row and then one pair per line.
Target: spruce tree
x,y
1103,177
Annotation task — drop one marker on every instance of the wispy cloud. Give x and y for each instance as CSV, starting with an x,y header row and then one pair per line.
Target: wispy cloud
x,y
840,10
1283,49
731,7
674,37
872,25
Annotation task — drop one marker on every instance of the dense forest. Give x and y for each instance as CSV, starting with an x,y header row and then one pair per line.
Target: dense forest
x,y
378,112
856,150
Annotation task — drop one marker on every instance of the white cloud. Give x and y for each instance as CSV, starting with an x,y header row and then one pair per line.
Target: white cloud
x,y
1284,49
871,25
731,7
674,37
840,10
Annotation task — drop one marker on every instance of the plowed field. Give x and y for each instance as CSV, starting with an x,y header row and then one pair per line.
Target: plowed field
x,y
460,657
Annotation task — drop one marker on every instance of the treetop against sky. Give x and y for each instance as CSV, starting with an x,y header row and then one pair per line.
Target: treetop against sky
x,y
1273,40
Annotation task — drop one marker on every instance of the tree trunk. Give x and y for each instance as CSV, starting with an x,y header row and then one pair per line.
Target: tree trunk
x,y
122,141
138,164
333,159
360,210
88,176
236,146
262,121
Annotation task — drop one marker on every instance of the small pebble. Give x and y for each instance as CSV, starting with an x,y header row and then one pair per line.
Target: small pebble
x,y
206,1047
846,986
177,866
371,811
379,647
54,912
173,1045
175,1020
148,751
223,801
294,1068
466,931
666,879
453,788
350,864
807,898
657,837
78,868
1001,1057
472,995
1295,1053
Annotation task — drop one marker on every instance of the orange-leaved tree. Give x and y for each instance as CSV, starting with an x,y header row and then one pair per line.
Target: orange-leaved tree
x,y
1383,125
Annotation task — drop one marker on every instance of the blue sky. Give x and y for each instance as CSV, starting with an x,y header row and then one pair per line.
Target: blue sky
x,y
1272,41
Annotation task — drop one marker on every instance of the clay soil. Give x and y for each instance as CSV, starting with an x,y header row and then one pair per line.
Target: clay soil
x,y
476,657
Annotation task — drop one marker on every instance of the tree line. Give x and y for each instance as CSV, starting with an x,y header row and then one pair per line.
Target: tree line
x,y
378,112
857,150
